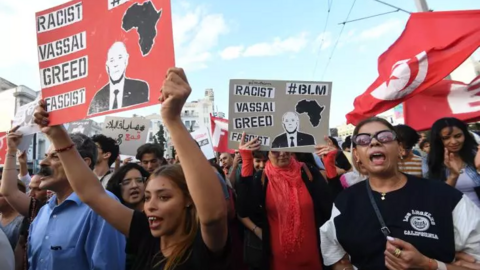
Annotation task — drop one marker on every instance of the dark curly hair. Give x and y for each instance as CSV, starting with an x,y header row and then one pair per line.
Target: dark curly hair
x,y
149,148
108,145
85,147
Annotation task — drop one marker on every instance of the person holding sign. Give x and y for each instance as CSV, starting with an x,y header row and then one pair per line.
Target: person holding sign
x,y
287,203
184,222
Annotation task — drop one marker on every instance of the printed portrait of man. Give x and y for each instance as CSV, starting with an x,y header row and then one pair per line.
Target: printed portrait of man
x,y
292,136
120,91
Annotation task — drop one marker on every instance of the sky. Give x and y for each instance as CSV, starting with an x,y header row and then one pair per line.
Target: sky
x,y
216,41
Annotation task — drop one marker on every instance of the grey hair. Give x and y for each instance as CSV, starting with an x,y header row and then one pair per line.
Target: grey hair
x,y
294,114
86,147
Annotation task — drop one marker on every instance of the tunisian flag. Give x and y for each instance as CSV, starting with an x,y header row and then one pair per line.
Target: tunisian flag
x,y
447,98
3,147
432,45
219,130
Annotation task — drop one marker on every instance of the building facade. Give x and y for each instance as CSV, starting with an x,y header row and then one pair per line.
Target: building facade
x,y
195,114
12,97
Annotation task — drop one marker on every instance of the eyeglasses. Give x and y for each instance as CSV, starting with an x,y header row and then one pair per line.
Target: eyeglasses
x,y
384,136
277,153
128,181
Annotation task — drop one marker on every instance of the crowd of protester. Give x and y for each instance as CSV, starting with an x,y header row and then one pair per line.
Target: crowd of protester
x,y
388,197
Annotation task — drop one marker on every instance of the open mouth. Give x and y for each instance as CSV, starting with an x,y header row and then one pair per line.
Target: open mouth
x,y
377,158
135,193
154,222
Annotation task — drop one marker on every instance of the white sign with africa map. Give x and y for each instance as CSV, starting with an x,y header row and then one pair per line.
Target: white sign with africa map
x,y
288,116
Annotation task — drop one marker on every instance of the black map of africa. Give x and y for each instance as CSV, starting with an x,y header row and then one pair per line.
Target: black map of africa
x,y
144,17
312,108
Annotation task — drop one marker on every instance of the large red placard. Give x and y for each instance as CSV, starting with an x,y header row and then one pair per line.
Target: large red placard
x,y
102,56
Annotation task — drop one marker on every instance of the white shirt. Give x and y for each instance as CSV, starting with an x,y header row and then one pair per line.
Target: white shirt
x,y
26,179
119,86
289,139
7,260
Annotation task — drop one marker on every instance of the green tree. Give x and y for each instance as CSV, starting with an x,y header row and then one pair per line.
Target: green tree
x,y
159,137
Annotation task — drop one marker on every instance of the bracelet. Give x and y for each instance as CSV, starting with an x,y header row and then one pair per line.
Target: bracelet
x,y
9,169
65,148
11,155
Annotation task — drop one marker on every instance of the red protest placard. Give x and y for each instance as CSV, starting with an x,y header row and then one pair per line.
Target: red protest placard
x,y
3,147
102,56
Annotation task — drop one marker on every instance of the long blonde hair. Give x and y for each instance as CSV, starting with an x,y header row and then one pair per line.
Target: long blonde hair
x,y
180,253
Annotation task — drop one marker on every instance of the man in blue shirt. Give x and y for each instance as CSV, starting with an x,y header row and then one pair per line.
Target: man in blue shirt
x,y
67,234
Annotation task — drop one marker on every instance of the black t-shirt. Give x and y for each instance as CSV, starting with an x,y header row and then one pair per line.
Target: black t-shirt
x,y
146,250
420,213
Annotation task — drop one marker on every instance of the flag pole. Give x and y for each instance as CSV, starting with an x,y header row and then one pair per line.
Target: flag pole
x,y
422,5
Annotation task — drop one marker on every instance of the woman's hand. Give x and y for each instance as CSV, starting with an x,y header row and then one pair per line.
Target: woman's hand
x,y
323,149
252,145
258,232
467,261
13,140
42,120
174,94
408,257
453,166
127,160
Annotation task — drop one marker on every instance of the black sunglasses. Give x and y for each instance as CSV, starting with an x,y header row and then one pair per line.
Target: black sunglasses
x,y
384,136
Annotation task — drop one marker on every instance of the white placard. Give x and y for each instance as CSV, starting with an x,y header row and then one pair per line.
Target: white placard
x,y
202,136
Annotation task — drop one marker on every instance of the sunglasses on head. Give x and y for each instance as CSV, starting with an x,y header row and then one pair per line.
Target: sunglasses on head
x,y
384,136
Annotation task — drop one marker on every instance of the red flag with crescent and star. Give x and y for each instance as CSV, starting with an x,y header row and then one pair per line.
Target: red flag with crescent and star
x,y
456,99
431,46
219,134
3,147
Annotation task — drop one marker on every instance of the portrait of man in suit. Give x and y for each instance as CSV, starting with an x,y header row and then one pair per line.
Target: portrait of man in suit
x,y
120,91
292,136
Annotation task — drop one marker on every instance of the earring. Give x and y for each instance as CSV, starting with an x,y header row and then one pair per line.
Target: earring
x,y
188,206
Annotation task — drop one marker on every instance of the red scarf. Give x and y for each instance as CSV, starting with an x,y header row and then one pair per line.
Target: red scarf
x,y
286,183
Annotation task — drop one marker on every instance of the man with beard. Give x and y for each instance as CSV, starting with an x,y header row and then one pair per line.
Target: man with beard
x,y
226,162
120,91
66,232
38,198
108,151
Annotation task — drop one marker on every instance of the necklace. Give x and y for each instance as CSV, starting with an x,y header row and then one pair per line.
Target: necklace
x,y
383,196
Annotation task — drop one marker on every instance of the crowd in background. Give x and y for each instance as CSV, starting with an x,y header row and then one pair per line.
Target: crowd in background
x,y
388,197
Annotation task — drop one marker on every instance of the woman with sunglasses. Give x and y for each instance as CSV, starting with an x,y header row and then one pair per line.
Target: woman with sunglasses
x,y
287,203
396,221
